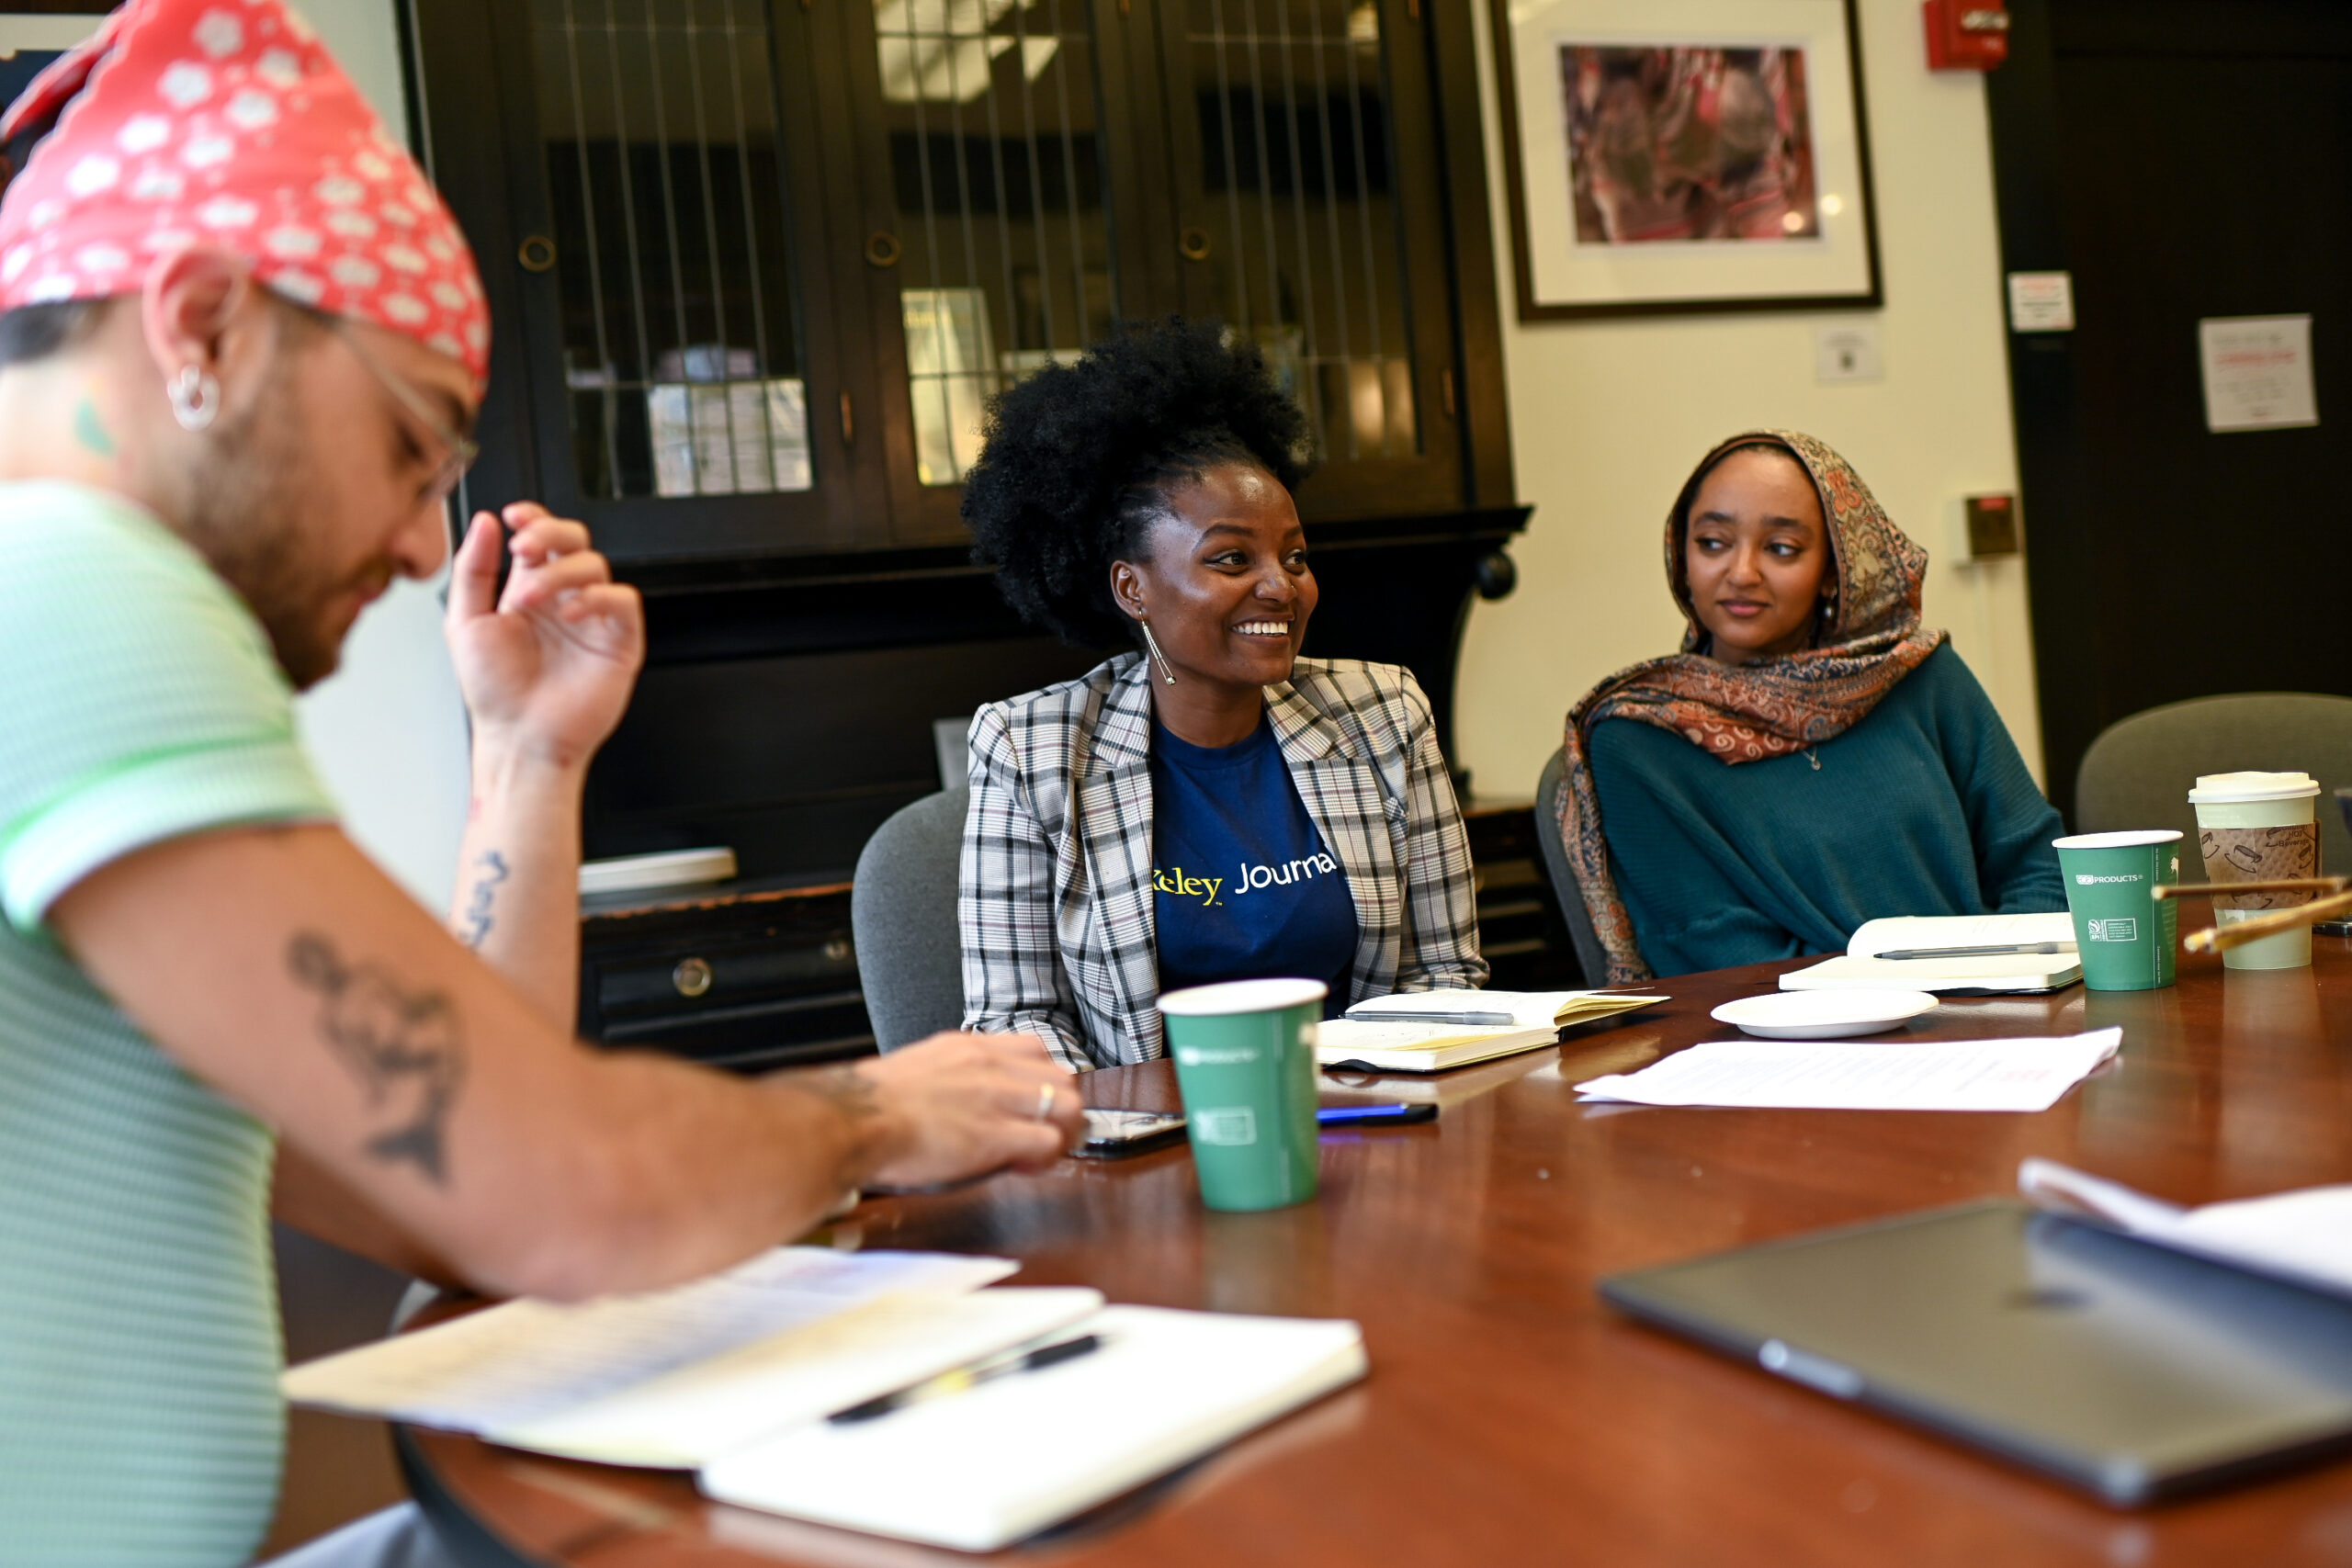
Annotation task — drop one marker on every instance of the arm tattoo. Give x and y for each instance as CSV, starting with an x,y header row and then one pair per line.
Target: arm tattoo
x,y
401,1045
477,916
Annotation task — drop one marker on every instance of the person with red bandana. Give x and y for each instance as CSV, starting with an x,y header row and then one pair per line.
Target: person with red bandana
x,y
242,343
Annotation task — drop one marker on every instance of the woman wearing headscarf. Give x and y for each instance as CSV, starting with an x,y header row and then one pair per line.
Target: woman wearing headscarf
x,y
1812,758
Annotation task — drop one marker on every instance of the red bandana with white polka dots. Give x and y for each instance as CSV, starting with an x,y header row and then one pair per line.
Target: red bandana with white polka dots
x,y
226,122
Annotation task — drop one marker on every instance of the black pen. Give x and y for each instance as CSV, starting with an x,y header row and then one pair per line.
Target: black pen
x,y
961,1378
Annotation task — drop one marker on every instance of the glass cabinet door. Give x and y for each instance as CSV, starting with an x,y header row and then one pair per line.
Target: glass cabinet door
x,y
987,241
671,282
1285,118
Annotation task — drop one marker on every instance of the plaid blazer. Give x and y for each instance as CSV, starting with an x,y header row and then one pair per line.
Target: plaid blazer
x,y
1056,902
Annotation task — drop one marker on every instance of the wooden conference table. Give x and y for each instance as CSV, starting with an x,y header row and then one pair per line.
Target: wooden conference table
x,y
1511,1418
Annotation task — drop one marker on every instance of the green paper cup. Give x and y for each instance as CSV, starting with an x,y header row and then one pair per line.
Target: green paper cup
x,y
1245,1061
2124,935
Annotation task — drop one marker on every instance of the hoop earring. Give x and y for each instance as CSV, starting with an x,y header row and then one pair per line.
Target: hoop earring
x,y
195,398
1167,676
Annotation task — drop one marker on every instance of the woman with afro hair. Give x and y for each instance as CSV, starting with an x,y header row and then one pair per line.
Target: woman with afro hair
x,y
1210,805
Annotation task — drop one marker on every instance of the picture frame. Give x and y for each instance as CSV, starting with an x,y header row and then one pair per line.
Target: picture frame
x,y
1673,157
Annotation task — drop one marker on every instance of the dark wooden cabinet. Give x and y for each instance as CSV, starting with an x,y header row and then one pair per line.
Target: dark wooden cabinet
x,y
756,266
748,977
760,264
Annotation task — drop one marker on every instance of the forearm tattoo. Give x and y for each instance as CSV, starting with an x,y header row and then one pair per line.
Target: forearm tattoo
x,y
477,917
403,1045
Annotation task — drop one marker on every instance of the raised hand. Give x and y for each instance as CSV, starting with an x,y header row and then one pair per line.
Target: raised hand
x,y
546,666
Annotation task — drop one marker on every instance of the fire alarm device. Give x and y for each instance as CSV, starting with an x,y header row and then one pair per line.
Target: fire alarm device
x,y
1966,35
1986,528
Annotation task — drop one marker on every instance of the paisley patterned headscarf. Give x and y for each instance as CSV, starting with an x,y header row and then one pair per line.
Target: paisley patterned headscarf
x,y
1867,639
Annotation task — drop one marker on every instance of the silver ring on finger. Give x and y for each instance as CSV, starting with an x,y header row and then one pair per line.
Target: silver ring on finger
x,y
1044,1103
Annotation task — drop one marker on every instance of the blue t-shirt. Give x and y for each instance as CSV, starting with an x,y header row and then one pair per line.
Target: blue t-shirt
x,y
1245,888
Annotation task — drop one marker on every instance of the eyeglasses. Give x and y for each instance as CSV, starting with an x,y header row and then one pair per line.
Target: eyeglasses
x,y
460,451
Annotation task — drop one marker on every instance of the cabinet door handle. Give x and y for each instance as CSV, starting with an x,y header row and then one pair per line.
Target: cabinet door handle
x,y
882,249
849,422
536,253
692,976
1192,244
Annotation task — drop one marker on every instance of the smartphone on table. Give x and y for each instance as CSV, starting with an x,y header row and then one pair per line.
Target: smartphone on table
x,y
1113,1134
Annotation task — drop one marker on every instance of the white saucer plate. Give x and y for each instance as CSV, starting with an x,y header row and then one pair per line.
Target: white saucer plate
x,y
1823,1015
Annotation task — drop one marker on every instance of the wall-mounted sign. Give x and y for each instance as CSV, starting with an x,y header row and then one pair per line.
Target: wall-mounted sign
x,y
2258,372
2041,301
1848,351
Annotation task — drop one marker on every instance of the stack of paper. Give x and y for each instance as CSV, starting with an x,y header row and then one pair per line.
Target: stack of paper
x,y
1371,1045
1423,1032
1937,1075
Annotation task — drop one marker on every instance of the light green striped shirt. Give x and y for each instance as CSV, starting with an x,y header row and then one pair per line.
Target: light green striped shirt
x,y
139,701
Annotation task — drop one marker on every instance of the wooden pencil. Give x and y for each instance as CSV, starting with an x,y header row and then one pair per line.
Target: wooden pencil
x,y
2235,889
2220,938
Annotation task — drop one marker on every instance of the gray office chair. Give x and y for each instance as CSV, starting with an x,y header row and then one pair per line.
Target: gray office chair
x,y
1591,957
2139,772
902,912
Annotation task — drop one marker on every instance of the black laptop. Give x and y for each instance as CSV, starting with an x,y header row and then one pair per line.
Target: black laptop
x,y
2118,1365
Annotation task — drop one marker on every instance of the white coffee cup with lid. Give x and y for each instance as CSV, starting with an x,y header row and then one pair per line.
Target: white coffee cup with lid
x,y
2258,826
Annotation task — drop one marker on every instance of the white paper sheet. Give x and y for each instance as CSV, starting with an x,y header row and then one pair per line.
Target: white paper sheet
x,y
527,1361
1939,1074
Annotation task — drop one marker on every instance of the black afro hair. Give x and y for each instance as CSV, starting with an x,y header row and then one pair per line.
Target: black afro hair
x,y
1079,455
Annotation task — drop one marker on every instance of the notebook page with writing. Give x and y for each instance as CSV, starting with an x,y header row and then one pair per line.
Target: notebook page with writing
x,y
529,1361
688,1418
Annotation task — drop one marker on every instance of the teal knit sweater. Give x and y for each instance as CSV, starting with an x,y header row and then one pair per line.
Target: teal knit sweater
x,y
1923,808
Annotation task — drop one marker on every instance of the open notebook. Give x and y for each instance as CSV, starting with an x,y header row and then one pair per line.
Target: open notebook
x,y
1990,967
1424,1032
983,1469
734,1376
1555,1010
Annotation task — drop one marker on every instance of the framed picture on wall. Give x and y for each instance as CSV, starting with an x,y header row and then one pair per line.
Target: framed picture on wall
x,y
1670,156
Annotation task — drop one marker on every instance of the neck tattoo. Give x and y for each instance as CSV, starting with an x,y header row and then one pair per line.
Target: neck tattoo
x,y
90,431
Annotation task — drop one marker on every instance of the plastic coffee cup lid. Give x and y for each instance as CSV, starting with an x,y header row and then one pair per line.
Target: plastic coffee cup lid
x,y
2124,838
1242,996
2218,788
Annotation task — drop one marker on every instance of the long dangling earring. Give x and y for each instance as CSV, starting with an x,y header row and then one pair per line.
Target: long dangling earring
x,y
1151,642
195,398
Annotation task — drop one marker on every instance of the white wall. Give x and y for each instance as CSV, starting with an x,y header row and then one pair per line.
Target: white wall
x,y
1608,418
389,730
